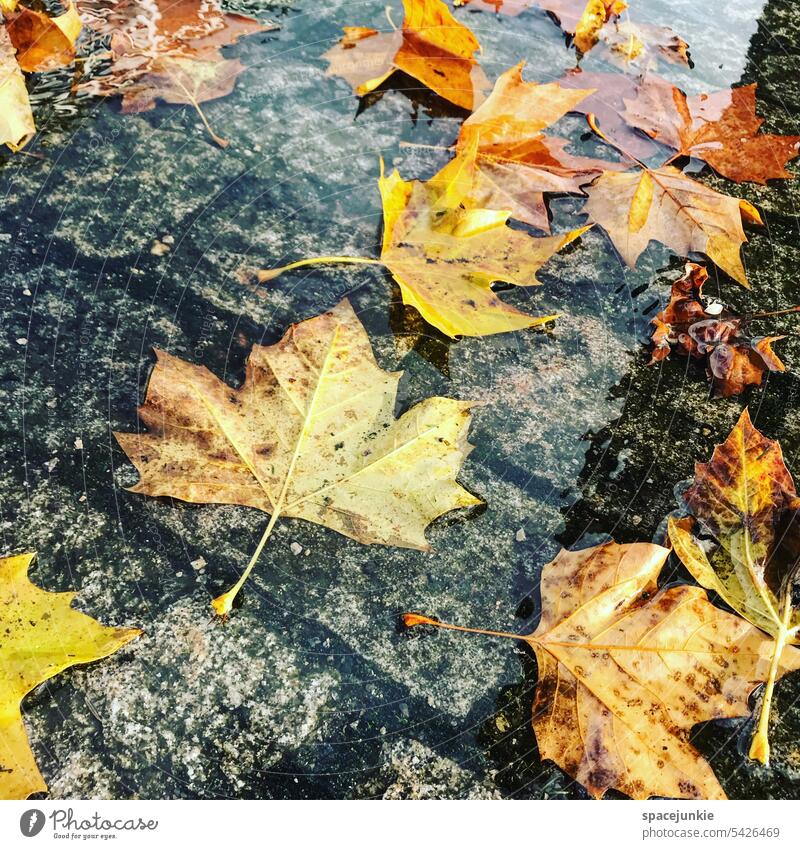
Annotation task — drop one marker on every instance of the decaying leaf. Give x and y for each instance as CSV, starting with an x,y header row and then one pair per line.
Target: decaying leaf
x,y
746,499
167,49
44,43
445,256
41,636
626,670
432,46
721,128
16,118
311,434
665,205
703,328
505,161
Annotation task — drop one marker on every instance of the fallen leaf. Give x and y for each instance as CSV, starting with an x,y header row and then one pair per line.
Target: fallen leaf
x,y
445,257
16,118
168,50
42,636
432,46
630,43
513,163
311,434
583,19
746,499
720,128
664,205
44,43
626,670
703,328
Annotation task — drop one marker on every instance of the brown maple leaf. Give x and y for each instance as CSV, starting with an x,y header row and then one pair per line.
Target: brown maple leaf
x,y
703,328
746,499
311,434
721,128
665,205
168,50
626,670
432,46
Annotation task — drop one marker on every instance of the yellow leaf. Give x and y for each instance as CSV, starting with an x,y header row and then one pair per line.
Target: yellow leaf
x,y
505,161
16,118
311,434
41,636
446,257
594,16
626,671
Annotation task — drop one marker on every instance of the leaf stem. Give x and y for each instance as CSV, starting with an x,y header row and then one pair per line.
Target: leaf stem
x,y
410,620
759,748
223,143
271,273
222,604
770,314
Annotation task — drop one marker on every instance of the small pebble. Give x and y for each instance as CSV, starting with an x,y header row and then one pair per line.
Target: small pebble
x,y
79,443
636,519
22,341
159,248
296,548
199,564
520,535
167,239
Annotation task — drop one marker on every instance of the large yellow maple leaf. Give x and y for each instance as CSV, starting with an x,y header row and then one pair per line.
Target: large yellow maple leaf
x,y
311,434
445,254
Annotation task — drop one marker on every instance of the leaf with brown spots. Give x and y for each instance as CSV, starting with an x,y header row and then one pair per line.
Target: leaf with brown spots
x,y
168,50
626,670
432,46
40,636
445,254
703,328
746,500
721,128
310,434
663,204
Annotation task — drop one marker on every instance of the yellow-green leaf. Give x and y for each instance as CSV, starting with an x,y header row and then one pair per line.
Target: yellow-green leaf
x,y
40,636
